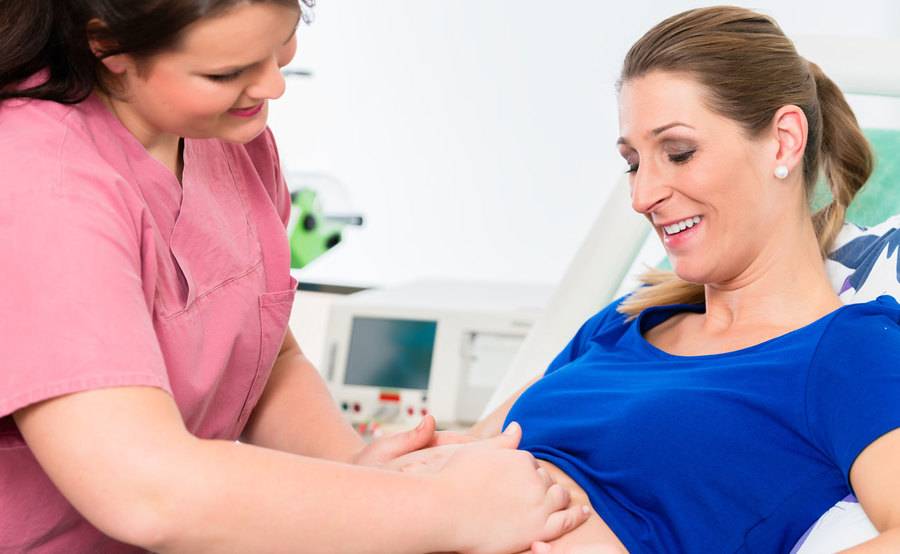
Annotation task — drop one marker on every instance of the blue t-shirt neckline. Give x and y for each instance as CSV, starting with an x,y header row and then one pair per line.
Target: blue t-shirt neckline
x,y
655,315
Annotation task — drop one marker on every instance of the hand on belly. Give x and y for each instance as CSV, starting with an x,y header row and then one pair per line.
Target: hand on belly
x,y
591,537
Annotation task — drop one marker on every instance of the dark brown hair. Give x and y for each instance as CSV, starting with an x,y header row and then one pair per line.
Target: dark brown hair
x,y
53,35
751,70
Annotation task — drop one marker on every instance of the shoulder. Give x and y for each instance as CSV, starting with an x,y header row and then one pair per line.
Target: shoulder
x,y
53,164
40,136
861,336
864,324
854,380
32,133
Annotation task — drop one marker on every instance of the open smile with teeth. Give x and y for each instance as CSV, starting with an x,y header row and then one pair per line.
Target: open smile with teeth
x,y
680,226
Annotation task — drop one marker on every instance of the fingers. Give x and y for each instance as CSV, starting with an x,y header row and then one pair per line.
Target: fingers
x,y
545,477
408,441
424,431
442,438
509,438
541,548
561,522
557,498
385,449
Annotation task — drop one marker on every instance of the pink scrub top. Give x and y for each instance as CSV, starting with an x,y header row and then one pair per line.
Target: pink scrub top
x,y
113,274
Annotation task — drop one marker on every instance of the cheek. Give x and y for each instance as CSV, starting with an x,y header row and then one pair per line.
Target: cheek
x,y
202,108
189,96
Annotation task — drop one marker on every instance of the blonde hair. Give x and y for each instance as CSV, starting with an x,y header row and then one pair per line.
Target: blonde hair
x,y
751,70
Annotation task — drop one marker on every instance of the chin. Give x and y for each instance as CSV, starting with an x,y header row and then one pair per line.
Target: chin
x,y
696,275
243,136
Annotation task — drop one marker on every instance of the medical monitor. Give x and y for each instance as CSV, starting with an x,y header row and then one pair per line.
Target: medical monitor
x,y
390,353
400,352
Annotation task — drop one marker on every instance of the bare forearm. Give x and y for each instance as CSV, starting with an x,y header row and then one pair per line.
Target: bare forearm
x,y
297,414
887,542
246,499
154,485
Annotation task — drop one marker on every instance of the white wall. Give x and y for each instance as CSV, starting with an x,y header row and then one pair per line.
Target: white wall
x,y
477,136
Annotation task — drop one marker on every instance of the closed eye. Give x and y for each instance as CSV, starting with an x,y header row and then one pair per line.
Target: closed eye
x,y
681,157
225,77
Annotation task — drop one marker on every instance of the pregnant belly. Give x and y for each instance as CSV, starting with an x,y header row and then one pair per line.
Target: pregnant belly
x,y
594,535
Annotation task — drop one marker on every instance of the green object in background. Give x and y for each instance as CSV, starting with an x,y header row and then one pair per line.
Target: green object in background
x,y
315,233
879,199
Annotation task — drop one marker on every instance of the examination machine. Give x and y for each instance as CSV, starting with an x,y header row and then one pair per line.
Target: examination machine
x,y
395,354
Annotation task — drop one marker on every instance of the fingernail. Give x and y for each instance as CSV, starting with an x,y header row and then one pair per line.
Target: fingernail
x,y
421,425
509,428
585,509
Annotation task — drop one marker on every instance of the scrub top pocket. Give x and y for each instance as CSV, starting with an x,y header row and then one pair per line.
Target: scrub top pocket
x,y
274,313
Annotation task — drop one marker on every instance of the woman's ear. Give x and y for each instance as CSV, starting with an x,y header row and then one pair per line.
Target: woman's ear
x,y
790,129
116,64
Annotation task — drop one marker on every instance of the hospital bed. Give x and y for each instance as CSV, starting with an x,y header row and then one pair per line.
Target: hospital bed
x,y
619,246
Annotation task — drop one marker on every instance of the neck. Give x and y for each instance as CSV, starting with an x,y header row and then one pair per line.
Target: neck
x,y
164,147
787,286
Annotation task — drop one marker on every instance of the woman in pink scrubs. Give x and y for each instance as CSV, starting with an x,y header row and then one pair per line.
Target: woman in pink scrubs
x,y
145,295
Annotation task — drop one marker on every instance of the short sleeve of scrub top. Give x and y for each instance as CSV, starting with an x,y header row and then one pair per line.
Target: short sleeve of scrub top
x,y
114,274
76,313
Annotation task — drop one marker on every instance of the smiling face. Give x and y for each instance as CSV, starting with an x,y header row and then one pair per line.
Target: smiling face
x,y
697,177
216,83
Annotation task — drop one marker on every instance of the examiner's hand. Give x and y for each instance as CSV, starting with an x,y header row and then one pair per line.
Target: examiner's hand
x,y
433,458
382,451
426,460
500,500
442,438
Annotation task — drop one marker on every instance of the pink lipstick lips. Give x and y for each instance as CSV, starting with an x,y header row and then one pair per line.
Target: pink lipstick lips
x,y
247,112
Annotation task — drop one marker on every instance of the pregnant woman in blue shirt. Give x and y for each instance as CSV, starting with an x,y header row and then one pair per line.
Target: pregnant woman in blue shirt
x,y
725,406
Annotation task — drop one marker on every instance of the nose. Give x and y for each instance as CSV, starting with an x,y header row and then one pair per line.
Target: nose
x,y
269,84
648,190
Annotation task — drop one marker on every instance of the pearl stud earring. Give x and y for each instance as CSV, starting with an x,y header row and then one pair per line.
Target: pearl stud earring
x,y
781,171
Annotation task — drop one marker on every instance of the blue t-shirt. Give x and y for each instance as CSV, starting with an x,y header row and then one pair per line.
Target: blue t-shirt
x,y
723,453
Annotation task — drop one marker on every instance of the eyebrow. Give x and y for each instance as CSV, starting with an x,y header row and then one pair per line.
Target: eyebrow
x,y
658,130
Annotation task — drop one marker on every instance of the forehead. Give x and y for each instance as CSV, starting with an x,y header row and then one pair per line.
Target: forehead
x,y
239,31
659,98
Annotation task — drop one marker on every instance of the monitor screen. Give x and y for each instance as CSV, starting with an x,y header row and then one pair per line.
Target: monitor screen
x,y
390,353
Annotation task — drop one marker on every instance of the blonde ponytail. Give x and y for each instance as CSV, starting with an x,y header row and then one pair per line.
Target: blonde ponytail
x,y
661,288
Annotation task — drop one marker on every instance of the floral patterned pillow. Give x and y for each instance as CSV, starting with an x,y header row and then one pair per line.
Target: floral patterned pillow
x,y
865,262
